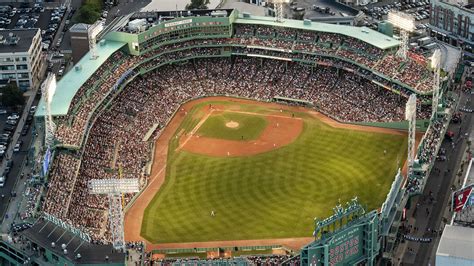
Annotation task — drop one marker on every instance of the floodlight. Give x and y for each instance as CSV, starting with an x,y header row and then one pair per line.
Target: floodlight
x,y
92,33
279,9
402,20
95,29
410,107
436,59
49,87
113,186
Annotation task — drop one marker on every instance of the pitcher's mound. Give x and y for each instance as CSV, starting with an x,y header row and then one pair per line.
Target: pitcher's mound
x,y
232,124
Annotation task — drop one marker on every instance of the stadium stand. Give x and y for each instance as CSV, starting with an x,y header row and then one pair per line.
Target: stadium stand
x,y
117,132
344,77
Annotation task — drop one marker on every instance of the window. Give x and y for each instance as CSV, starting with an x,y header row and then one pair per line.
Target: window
x,y
8,67
9,76
23,76
24,85
21,67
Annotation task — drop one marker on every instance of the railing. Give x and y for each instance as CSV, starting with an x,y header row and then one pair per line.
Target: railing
x,y
202,250
66,226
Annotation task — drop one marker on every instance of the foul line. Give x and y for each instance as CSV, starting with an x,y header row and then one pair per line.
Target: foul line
x,y
250,113
196,128
190,134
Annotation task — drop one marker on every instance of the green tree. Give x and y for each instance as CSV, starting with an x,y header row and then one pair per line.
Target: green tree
x,y
298,15
197,4
11,96
88,15
89,12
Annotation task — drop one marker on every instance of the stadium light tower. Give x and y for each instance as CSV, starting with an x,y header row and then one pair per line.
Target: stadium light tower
x,y
47,90
279,9
114,189
435,64
406,24
92,33
410,115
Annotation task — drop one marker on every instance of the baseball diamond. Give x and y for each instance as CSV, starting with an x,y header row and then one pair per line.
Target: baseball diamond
x,y
211,195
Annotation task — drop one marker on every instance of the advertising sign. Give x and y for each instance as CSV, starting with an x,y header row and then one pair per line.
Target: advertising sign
x,y
461,198
46,160
345,247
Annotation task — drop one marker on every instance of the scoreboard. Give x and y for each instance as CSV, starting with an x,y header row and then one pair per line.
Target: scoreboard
x,y
354,243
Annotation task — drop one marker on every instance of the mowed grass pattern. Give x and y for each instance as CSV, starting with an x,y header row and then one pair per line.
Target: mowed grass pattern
x,y
250,126
275,194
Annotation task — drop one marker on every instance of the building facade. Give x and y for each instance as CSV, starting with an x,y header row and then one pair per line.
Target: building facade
x,y
79,41
21,59
453,24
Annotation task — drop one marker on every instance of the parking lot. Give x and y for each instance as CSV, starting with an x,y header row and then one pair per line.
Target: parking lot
x,y
420,10
26,16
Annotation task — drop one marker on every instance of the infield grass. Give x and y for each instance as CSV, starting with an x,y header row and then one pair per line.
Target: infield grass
x,y
276,194
249,126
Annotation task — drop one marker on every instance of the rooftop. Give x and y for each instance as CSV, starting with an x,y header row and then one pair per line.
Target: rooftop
x,y
246,7
160,5
364,34
16,40
68,85
79,27
44,233
336,7
457,242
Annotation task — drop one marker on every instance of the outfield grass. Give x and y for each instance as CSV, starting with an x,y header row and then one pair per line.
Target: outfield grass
x,y
275,194
250,126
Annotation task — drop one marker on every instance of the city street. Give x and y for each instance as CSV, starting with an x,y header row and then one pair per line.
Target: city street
x,y
18,159
428,212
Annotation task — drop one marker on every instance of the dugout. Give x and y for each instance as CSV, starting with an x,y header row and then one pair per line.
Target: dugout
x,y
292,101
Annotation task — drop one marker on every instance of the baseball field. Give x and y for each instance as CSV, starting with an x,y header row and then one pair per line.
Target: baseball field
x,y
231,169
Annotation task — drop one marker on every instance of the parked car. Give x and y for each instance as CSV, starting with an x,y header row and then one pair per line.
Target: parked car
x,y
11,122
7,171
9,128
2,181
3,112
21,227
13,116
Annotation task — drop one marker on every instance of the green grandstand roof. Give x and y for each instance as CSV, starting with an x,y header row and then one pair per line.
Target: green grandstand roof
x,y
364,34
73,80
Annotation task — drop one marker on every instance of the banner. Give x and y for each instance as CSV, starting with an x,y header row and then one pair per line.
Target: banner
x,y
461,198
46,161
417,239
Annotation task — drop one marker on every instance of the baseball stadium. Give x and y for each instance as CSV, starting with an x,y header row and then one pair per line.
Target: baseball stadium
x,y
239,136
